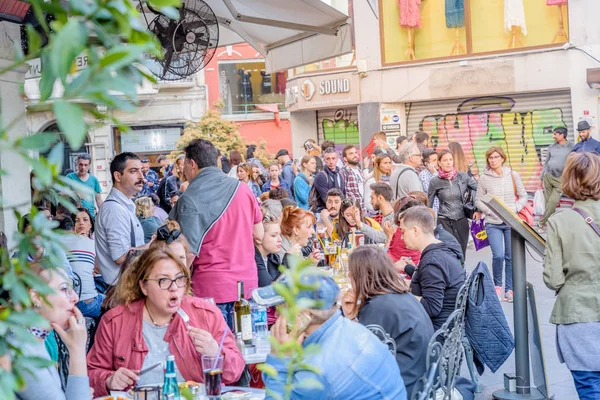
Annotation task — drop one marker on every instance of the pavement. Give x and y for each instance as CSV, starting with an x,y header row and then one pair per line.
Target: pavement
x,y
560,382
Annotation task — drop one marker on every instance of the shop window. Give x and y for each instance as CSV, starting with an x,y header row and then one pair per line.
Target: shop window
x,y
243,85
343,61
434,29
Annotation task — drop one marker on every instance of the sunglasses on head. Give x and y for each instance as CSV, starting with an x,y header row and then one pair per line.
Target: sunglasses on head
x,y
348,202
164,235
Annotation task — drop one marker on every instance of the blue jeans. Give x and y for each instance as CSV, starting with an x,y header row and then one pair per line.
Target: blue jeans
x,y
587,384
499,238
91,309
227,311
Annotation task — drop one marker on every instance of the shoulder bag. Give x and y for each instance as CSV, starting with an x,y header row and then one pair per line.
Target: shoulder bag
x,y
526,213
589,220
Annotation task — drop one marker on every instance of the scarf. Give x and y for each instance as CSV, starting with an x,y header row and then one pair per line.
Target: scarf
x,y
335,177
447,175
39,332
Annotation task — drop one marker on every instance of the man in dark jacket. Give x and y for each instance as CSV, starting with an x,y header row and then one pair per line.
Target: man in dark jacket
x,y
439,276
329,178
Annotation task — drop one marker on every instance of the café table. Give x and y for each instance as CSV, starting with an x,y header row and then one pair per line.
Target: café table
x,y
257,394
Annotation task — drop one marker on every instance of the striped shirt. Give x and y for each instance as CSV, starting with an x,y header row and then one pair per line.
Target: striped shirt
x,y
82,257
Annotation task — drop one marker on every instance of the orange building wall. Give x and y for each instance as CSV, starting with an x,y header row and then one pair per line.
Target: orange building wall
x,y
276,137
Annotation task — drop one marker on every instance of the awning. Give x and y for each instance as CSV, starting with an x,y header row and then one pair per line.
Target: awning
x,y
13,11
289,33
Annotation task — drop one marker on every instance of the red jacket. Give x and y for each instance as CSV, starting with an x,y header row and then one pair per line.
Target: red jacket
x,y
119,343
398,249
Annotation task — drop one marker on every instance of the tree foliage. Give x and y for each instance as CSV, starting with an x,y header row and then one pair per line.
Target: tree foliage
x,y
223,133
115,41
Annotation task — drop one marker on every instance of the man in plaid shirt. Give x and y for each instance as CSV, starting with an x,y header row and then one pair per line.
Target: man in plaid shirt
x,y
352,175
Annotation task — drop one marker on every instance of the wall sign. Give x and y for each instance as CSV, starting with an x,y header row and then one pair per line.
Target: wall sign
x,y
390,120
150,140
323,91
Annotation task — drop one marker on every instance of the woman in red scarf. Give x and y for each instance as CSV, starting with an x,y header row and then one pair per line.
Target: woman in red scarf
x,y
451,188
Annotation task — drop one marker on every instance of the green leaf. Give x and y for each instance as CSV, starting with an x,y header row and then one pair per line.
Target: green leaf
x,y
309,383
48,77
39,141
170,12
67,44
34,40
70,121
56,156
268,369
121,56
164,3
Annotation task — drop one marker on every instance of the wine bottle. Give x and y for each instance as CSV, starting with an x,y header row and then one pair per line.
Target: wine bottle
x,y
170,389
243,316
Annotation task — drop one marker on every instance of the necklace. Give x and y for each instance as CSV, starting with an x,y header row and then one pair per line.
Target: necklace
x,y
152,319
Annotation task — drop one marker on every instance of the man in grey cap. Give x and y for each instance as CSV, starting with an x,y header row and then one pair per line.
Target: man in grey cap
x,y
552,172
587,143
349,362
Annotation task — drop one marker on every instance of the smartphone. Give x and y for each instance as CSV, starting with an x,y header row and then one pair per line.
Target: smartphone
x,y
303,323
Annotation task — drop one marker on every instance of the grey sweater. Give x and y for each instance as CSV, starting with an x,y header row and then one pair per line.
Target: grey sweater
x,y
44,383
556,159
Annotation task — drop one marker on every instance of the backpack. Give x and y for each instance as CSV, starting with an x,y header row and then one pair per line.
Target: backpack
x,y
313,195
398,180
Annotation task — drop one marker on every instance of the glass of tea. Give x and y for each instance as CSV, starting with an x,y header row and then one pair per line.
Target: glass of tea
x,y
212,367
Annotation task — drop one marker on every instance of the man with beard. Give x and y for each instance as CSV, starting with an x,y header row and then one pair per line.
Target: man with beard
x,y
329,178
588,144
354,180
151,178
329,215
117,228
381,200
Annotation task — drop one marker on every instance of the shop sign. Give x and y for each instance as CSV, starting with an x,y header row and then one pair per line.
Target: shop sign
x,y
390,120
35,66
324,91
150,140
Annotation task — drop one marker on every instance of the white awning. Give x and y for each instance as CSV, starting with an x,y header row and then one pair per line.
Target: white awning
x,y
289,33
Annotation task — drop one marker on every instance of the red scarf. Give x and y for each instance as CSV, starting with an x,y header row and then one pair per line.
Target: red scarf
x,y
447,175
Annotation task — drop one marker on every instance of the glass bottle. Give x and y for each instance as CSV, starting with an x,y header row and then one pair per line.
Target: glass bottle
x,y
242,316
170,389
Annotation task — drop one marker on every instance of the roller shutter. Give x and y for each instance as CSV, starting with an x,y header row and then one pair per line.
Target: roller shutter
x,y
521,124
339,125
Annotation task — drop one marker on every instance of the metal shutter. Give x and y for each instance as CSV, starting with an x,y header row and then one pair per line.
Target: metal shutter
x,y
522,124
338,125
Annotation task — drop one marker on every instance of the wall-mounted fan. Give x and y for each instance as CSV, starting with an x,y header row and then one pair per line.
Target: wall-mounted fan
x,y
188,43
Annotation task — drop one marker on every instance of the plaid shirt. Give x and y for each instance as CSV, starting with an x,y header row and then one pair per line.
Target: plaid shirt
x,y
355,184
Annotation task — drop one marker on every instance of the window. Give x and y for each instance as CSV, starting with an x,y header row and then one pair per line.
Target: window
x,y
244,84
424,30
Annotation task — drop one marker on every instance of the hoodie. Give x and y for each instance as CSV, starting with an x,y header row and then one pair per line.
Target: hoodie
x,y
438,280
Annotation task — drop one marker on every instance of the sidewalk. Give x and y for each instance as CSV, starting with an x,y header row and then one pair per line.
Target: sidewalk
x,y
559,378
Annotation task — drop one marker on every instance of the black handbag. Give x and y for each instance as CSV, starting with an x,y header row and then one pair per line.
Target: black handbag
x,y
469,204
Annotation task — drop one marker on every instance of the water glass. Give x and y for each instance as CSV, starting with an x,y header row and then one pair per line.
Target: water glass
x,y
212,366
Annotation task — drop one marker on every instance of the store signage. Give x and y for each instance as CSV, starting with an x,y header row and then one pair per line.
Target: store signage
x,y
323,91
35,66
390,120
150,140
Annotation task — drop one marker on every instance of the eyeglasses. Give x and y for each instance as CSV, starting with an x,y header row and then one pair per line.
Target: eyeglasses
x,y
348,202
494,157
67,290
268,219
166,283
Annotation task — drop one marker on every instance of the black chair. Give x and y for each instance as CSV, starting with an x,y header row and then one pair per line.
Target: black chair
x,y
77,284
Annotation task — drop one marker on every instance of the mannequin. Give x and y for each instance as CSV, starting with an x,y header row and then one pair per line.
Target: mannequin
x,y
245,86
455,18
280,82
410,18
265,86
225,92
561,25
514,19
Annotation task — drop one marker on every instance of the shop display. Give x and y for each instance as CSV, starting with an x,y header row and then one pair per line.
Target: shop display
x,y
225,92
266,86
245,86
514,19
455,18
561,25
410,18
280,82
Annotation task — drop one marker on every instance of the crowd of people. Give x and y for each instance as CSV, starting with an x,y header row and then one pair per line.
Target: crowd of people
x,y
157,248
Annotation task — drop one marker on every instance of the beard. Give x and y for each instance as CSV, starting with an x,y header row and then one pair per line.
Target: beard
x,y
354,163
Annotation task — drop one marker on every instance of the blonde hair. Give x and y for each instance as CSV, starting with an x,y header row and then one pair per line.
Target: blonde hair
x,y
377,174
128,289
143,207
179,171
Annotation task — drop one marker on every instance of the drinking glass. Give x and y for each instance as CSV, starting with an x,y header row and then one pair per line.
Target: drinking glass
x,y
212,367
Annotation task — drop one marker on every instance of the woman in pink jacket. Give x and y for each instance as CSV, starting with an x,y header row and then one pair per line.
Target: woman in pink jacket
x,y
146,327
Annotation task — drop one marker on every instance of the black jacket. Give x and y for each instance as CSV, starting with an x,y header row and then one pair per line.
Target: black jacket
x,y
406,322
451,194
325,181
438,280
269,272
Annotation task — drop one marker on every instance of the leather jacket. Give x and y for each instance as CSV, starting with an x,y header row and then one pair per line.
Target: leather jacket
x,y
451,194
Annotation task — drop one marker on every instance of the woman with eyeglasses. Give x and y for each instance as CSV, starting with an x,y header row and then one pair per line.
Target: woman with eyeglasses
x,y
60,312
382,170
505,184
244,173
148,326
304,181
451,187
353,220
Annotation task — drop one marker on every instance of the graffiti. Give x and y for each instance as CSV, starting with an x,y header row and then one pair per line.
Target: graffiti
x,y
342,129
488,121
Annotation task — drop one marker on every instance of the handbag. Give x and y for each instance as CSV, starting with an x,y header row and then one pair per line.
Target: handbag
x,y
589,220
526,213
469,204
480,238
